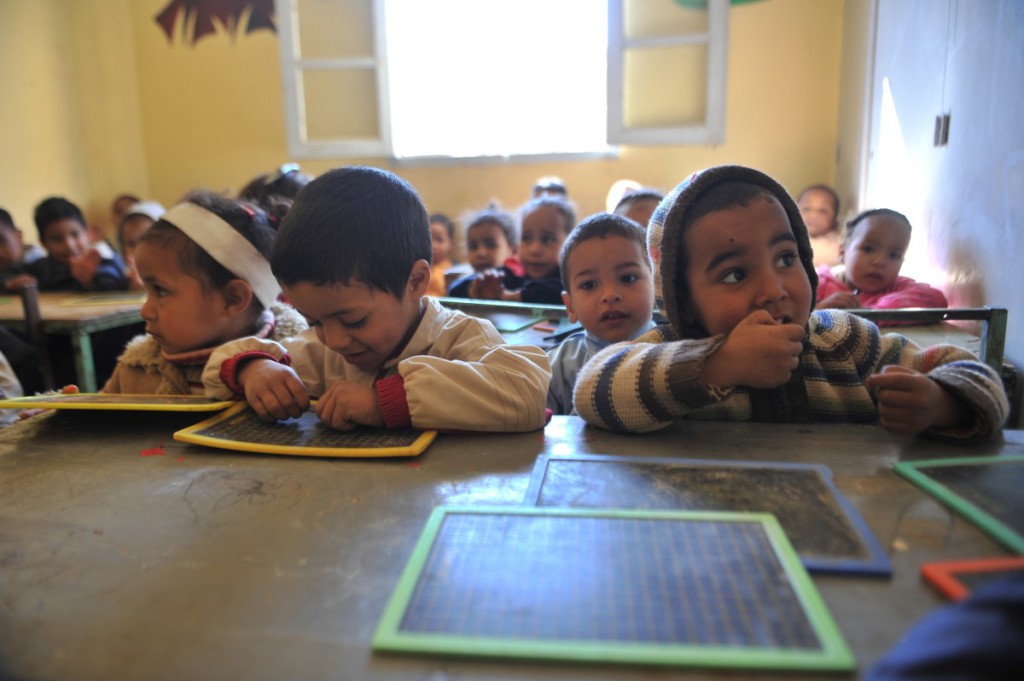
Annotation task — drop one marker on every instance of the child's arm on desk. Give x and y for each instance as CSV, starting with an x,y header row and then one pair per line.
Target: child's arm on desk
x,y
910,403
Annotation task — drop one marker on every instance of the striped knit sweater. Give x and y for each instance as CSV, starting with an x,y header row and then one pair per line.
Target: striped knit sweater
x,y
646,384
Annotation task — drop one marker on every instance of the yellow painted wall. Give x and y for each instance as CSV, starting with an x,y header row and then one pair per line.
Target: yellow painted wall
x,y
160,119
69,123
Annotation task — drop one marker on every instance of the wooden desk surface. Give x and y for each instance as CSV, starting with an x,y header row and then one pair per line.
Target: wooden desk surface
x,y
116,562
55,307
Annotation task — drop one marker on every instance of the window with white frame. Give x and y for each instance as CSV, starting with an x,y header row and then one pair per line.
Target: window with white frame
x,y
415,79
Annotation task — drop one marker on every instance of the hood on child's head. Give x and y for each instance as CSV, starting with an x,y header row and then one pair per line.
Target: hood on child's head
x,y
665,242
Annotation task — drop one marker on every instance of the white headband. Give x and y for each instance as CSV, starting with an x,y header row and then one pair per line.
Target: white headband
x,y
227,247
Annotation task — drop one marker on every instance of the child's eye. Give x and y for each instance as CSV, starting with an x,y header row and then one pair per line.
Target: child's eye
x,y
312,323
867,249
547,240
896,256
734,276
629,278
787,259
356,324
587,285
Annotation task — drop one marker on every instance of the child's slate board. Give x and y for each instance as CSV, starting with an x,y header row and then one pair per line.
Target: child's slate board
x,y
650,587
825,529
987,490
507,322
239,428
116,402
956,579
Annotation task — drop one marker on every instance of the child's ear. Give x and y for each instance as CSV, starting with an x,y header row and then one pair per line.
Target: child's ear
x,y
842,253
419,279
238,296
567,301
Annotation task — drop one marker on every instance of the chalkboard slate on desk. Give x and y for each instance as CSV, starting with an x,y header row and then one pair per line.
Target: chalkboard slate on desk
x,y
649,587
956,579
825,529
986,490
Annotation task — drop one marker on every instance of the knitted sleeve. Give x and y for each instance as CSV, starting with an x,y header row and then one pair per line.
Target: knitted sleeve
x,y
646,384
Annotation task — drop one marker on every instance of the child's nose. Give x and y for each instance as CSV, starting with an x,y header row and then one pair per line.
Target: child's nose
x,y
610,293
770,288
147,309
335,336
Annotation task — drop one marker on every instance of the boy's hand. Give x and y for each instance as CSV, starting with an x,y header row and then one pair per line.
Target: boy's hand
x,y
840,300
346,405
83,267
19,281
273,390
487,285
759,352
909,402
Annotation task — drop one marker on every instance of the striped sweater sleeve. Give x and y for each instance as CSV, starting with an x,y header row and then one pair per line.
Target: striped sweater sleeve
x,y
645,384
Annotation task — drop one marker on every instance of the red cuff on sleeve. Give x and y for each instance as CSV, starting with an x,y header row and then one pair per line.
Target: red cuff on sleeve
x,y
229,369
394,406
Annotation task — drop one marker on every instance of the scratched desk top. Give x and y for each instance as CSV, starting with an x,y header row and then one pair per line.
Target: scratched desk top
x,y
126,554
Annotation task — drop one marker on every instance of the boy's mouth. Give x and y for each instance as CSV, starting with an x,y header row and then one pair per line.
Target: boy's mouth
x,y
784,319
613,315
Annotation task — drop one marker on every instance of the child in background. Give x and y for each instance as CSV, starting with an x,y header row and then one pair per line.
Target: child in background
x,y
869,276
353,256
120,206
71,263
286,182
734,275
14,254
207,279
491,242
442,237
638,205
133,225
549,185
819,206
608,289
546,222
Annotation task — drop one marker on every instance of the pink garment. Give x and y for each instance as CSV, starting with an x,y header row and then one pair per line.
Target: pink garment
x,y
905,292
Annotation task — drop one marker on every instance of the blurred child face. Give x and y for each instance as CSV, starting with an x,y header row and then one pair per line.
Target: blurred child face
x,y
440,243
541,241
65,239
818,211
639,211
121,207
487,246
11,247
364,325
743,259
180,313
874,253
610,287
131,231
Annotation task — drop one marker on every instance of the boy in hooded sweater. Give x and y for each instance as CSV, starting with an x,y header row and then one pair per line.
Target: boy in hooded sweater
x,y
734,274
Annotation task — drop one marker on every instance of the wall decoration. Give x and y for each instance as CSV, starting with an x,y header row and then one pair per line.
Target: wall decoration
x,y
197,17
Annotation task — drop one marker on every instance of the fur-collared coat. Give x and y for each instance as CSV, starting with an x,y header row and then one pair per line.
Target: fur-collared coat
x,y
143,369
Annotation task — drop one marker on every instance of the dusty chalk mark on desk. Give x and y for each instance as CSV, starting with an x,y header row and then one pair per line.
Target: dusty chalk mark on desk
x,y
230,490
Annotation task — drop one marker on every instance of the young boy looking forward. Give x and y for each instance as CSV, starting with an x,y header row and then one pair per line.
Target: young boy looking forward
x,y
607,288
353,256
734,274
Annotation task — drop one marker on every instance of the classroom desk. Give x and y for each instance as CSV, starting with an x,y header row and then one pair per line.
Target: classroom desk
x,y
77,321
116,562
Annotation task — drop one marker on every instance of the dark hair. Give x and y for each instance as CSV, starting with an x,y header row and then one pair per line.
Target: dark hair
x,y
123,197
353,223
600,226
492,215
559,203
443,219
823,188
286,182
631,197
56,208
6,220
249,221
550,183
875,212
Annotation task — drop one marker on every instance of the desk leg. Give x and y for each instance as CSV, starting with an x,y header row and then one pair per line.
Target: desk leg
x,y
82,345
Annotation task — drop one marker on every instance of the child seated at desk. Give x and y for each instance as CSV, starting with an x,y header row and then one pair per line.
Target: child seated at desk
x,y
546,222
734,274
207,279
14,253
353,256
869,276
608,289
819,207
639,204
492,238
71,262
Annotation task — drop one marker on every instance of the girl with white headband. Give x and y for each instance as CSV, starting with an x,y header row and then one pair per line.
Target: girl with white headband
x,y
207,280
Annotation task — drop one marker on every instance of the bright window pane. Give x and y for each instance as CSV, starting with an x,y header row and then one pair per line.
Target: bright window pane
x,y
496,78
